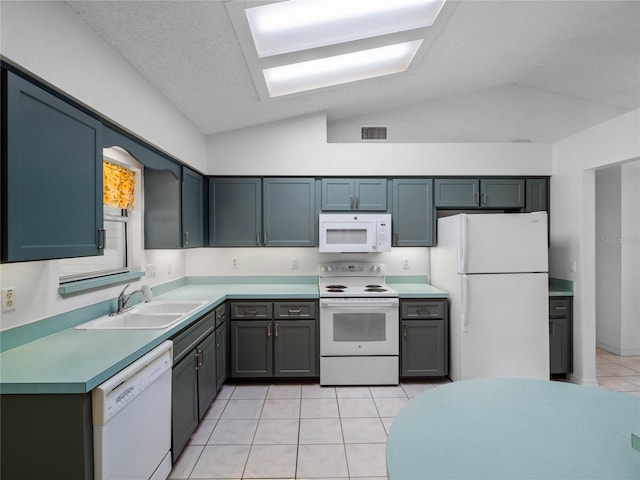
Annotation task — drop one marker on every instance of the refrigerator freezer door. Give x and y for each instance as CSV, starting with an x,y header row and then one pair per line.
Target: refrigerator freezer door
x,y
502,243
502,329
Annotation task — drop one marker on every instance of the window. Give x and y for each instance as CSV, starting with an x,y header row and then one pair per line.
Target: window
x,y
122,226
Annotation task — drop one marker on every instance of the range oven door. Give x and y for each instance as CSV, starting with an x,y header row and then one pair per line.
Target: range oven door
x,y
359,326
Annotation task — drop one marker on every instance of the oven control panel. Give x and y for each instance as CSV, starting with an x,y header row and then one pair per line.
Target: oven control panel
x,y
348,269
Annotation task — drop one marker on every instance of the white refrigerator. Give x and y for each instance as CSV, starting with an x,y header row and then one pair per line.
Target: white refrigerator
x,y
495,269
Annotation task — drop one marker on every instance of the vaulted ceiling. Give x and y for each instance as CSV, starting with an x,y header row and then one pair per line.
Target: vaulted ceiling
x,y
198,55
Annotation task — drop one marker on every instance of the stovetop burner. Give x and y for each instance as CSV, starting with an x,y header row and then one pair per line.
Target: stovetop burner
x,y
353,279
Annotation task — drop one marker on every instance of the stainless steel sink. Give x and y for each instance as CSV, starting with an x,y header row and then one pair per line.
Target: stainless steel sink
x,y
152,315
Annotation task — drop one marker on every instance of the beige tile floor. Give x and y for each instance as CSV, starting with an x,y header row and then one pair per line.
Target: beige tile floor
x,y
283,431
621,374
295,431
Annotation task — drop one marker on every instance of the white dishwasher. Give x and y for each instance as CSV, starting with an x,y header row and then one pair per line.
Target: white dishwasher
x,y
132,420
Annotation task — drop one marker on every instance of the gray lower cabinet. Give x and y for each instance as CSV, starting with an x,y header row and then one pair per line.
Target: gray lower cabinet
x,y
46,436
264,344
489,193
424,338
560,335
413,214
193,379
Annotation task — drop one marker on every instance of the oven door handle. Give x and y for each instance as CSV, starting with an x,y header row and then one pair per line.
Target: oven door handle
x,y
326,303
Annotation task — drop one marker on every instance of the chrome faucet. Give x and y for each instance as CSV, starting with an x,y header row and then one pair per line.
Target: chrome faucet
x,y
124,299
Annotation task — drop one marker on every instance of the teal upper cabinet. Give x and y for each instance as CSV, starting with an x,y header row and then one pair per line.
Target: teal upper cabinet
x,y
497,193
250,212
192,209
413,213
365,194
502,192
457,192
161,209
289,212
537,195
235,214
51,178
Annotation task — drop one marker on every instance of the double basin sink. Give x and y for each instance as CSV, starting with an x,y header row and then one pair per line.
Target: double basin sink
x,y
152,315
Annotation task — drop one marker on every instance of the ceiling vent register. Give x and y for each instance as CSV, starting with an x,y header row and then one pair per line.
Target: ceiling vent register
x,y
373,133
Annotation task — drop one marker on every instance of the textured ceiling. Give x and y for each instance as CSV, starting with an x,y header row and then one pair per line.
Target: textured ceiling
x,y
192,53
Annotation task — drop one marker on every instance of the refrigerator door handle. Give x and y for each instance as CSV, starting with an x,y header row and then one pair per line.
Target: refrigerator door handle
x,y
464,300
462,252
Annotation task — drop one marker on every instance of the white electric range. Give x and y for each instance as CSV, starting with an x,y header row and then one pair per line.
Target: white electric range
x,y
359,325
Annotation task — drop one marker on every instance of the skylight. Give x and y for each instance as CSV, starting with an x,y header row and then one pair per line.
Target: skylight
x,y
291,26
308,44
327,71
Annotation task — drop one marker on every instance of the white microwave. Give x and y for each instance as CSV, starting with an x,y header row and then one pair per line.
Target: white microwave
x,y
354,232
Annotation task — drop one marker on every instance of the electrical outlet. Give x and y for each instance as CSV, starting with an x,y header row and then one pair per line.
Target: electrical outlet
x,y
234,263
405,264
151,270
294,264
8,299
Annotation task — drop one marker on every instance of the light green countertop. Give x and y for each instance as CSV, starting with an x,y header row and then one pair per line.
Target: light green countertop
x,y
76,361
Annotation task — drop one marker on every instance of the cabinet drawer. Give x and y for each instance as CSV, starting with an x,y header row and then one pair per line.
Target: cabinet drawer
x,y
189,338
249,310
294,310
423,309
221,314
559,306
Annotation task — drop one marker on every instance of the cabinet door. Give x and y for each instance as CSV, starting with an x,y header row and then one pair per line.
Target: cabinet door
x,y
371,194
295,348
221,355
423,348
457,192
184,403
251,348
52,177
207,371
502,192
162,209
536,195
235,214
192,209
559,345
337,194
289,212
413,213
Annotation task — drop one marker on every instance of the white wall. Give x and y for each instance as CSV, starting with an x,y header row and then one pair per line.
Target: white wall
x,y
573,234
608,255
298,146
49,40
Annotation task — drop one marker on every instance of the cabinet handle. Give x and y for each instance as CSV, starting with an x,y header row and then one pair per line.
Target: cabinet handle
x,y
102,239
476,198
559,308
352,203
221,315
404,330
484,198
395,239
199,361
257,239
295,310
251,312
357,203
425,313
277,332
269,329
186,238
264,236
217,339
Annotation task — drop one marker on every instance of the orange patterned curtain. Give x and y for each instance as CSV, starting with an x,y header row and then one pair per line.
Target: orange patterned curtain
x,y
118,185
